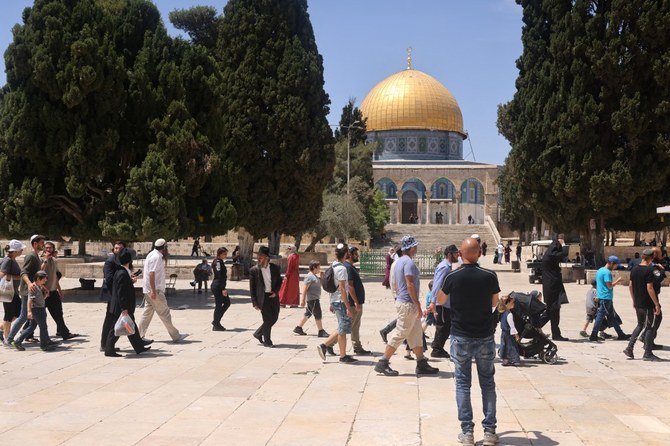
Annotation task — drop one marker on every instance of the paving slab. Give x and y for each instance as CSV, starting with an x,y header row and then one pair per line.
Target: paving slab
x,y
225,388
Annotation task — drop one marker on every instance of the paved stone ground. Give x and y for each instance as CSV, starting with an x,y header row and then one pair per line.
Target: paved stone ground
x,y
224,388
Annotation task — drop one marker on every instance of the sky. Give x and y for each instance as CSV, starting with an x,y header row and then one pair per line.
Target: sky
x,y
470,46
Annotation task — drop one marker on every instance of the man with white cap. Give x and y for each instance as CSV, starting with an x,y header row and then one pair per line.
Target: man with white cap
x,y
409,312
154,292
11,271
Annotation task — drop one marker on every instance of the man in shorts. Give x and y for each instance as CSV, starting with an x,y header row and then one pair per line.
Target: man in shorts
x,y
339,304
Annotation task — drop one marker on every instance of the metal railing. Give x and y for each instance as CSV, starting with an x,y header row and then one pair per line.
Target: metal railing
x,y
373,263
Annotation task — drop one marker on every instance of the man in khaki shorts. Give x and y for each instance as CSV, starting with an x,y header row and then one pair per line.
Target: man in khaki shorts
x,y
154,292
409,312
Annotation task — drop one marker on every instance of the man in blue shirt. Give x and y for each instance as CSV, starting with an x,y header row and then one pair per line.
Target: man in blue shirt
x,y
605,289
442,312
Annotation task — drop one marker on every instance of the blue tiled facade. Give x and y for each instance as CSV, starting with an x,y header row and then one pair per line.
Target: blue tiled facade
x,y
416,145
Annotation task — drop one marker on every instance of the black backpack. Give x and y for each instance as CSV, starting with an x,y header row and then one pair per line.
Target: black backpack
x,y
328,282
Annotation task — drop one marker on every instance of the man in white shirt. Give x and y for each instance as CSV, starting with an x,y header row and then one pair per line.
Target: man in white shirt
x,y
154,292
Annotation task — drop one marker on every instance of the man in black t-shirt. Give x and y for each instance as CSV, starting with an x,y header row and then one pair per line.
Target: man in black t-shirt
x,y
472,292
645,301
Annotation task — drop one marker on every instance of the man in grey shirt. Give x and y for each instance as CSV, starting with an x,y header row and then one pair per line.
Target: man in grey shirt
x,y
409,312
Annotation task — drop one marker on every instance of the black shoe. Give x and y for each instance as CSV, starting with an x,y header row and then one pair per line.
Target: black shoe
x,y
323,334
218,327
439,354
423,368
384,336
651,357
623,338
330,351
348,359
656,347
322,351
628,352
593,338
361,351
268,344
559,338
48,348
54,343
299,331
113,355
69,336
146,342
384,368
605,335
259,337
145,349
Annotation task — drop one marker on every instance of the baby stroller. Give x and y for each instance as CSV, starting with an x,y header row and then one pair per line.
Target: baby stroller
x,y
530,315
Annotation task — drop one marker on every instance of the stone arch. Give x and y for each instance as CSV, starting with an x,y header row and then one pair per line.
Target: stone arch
x,y
388,187
442,189
472,191
417,186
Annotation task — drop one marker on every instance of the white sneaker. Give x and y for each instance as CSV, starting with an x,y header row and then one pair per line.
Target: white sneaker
x,y
490,439
182,336
466,438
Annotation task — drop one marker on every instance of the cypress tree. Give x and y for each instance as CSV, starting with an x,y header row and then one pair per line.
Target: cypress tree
x,y
277,146
589,121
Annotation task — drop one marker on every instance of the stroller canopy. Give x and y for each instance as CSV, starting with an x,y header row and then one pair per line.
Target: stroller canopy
x,y
527,304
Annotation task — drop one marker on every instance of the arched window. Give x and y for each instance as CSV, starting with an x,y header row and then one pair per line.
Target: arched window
x,y
387,187
442,189
417,186
472,191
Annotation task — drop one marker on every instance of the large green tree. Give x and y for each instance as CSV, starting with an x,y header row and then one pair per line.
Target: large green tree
x,y
63,112
277,144
111,125
589,122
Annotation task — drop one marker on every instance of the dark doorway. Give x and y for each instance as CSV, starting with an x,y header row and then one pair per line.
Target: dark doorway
x,y
409,206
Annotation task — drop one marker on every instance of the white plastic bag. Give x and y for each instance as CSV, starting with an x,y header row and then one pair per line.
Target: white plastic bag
x,y
6,290
124,326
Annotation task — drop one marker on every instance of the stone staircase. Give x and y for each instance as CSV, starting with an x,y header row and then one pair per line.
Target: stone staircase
x,y
430,237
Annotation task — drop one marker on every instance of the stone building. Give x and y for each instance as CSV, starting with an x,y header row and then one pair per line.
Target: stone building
x,y
419,163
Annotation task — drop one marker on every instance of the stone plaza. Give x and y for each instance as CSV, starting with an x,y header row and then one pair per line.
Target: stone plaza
x,y
224,388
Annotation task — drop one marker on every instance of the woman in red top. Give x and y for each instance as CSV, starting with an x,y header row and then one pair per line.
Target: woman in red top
x,y
289,294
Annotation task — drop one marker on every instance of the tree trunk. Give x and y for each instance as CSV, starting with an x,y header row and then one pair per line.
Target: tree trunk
x,y
298,240
613,240
81,247
592,247
246,242
273,243
636,240
316,238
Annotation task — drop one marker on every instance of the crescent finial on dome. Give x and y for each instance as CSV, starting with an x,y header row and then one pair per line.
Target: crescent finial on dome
x,y
409,58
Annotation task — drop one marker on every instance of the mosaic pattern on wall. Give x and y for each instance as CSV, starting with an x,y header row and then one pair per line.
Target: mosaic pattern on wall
x,y
417,144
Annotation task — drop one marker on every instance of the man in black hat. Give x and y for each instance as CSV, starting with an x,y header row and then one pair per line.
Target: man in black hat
x,y
442,312
123,303
264,284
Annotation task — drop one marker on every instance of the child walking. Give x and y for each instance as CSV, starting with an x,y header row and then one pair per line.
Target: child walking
x,y
37,315
509,336
311,294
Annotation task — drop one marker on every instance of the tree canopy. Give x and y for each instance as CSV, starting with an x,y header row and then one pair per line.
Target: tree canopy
x,y
122,131
277,143
589,124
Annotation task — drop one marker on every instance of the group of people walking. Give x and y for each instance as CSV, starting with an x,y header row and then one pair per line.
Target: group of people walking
x,y
30,291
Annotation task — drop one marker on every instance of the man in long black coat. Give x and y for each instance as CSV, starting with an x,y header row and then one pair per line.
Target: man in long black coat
x,y
264,284
123,302
552,285
108,270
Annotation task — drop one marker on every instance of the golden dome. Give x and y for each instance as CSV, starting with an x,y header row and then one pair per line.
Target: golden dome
x,y
411,99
